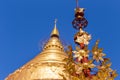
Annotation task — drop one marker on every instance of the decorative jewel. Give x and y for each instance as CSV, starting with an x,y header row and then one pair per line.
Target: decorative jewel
x,y
98,56
80,53
82,37
79,21
88,65
97,53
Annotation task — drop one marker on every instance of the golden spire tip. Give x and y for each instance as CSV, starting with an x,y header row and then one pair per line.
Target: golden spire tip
x,y
55,31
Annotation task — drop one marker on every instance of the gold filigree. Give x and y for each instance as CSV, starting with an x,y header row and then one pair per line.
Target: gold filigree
x,y
82,37
97,52
80,53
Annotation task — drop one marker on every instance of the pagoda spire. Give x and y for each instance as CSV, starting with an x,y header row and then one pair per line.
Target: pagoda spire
x,y
55,31
54,39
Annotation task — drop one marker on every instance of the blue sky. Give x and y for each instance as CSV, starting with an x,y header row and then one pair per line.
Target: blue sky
x,y
26,24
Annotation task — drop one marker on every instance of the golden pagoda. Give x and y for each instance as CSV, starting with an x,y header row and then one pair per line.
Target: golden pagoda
x,y
48,65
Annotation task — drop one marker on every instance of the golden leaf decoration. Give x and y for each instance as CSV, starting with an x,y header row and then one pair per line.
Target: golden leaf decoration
x,y
97,52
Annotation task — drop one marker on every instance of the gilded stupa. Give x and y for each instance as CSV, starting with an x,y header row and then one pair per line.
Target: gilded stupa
x,y
48,65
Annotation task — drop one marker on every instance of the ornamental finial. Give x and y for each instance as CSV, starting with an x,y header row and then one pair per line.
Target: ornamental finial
x,y
55,31
55,22
79,20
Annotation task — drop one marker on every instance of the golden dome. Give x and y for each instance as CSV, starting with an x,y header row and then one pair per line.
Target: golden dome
x,y
48,65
